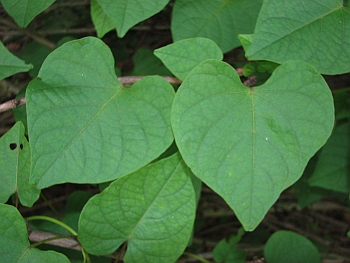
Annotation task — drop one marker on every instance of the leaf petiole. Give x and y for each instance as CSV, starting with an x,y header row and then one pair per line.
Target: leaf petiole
x,y
55,221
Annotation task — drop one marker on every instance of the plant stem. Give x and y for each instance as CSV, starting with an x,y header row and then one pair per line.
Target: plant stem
x,y
55,221
196,257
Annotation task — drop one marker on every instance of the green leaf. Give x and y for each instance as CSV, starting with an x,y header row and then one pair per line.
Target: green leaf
x,y
290,247
146,63
249,144
75,204
219,20
332,169
15,167
24,11
287,30
153,210
127,13
102,22
35,53
84,126
227,252
10,64
14,244
181,57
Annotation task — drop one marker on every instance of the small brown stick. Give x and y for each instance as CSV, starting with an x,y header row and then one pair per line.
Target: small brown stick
x,y
65,241
12,104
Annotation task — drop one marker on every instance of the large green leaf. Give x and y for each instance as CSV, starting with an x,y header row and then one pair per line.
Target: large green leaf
x,y
315,31
182,56
219,20
249,144
24,11
84,127
14,244
15,167
332,168
289,247
153,210
127,13
10,64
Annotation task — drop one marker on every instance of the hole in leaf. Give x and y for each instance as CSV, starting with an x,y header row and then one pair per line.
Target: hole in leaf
x,y
13,146
21,146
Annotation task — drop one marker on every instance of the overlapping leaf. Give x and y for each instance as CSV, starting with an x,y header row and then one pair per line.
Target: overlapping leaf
x,y
332,168
10,64
84,126
314,31
219,20
127,13
287,246
182,56
102,22
153,210
249,144
24,11
15,167
14,244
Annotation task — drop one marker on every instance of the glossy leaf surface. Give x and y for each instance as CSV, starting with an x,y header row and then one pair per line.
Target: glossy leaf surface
x,y
153,210
249,144
315,31
84,126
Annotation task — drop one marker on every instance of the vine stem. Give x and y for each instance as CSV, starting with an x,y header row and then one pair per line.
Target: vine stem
x,y
65,226
196,257
55,221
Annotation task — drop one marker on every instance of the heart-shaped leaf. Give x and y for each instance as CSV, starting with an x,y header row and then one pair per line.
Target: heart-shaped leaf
x,y
153,210
24,11
15,167
84,127
315,31
10,64
219,20
127,13
249,144
182,56
14,244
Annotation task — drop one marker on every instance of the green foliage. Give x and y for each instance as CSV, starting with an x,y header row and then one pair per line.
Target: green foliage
x,y
218,20
237,138
97,119
10,64
124,14
24,11
332,170
227,252
15,165
247,144
182,56
14,244
152,209
288,30
290,247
